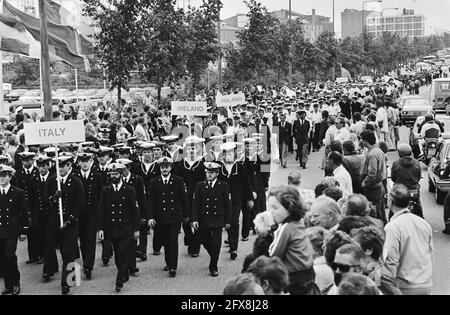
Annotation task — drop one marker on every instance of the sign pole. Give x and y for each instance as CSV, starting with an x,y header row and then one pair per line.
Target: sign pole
x,y
45,62
58,181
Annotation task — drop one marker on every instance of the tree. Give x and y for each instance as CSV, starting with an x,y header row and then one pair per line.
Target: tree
x,y
256,43
351,56
202,43
329,48
165,43
25,71
118,40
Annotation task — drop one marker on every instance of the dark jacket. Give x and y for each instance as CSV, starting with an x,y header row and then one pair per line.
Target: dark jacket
x,y
38,206
190,174
22,180
119,214
407,171
72,199
238,182
138,184
14,213
147,176
301,132
92,190
284,134
168,203
212,207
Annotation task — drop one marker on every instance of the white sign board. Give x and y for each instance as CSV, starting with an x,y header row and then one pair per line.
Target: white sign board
x,y
190,108
230,100
342,80
55,132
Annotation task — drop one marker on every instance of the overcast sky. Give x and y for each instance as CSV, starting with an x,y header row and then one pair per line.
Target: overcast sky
x,y
437,12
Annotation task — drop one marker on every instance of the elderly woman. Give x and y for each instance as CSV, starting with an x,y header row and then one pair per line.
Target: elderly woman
x,y
291,243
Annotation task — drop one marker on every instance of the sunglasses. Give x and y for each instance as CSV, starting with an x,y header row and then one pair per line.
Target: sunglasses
x,y
343,268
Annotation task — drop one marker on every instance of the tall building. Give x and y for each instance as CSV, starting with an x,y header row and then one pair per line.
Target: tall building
x,y
313,25
352,22
407,24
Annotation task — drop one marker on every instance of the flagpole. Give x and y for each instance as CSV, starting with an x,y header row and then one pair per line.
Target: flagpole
x,y
45,63
2,98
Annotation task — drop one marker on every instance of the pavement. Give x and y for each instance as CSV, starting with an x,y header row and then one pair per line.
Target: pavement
x,y
193,275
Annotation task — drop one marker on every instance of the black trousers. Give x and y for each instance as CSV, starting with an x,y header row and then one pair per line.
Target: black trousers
x,y
375,195
169,234
316,139
8,263
121,247
35,242
157,239
233,231
51,265
107,250
88,239
132,263
191,239
247,222
211,239
68,242
143,239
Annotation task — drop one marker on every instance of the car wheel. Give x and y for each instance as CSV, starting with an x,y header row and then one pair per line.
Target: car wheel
x,y
431,187
440,196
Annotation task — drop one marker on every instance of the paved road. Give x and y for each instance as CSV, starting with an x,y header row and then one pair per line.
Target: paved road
x,y
193,278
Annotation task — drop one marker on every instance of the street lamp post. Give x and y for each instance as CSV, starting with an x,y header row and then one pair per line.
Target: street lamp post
x,y
290,45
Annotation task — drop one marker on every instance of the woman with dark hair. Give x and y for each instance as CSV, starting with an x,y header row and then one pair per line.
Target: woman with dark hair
x,y
291,243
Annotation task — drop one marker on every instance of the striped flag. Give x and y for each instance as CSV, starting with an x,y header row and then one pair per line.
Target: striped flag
x,y
65,43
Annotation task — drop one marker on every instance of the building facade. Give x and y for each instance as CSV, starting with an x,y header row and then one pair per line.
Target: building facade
x,y
407,24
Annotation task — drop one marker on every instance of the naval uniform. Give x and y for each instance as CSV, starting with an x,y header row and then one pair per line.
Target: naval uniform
x,y
248,215
241,192
147,175
212,210
14,215
39,211
191,174
168,207
119,218
137,183
23,178
88,224
72,203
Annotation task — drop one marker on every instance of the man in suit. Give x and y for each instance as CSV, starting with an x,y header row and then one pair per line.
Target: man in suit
x,y
39,211
24,176
92,186
237,178
119,218
211,212
14,215
192,170
284,138
66,236
137,183
301,130
168,209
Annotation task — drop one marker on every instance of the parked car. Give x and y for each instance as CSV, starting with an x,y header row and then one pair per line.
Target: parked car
x,y
413,108
440,187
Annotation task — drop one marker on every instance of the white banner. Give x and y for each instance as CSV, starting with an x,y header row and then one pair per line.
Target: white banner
x,y
230,100
55,132
190,108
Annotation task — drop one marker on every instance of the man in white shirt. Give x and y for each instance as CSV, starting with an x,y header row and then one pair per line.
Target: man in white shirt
x,y
339,171
408,249
383,123
342,133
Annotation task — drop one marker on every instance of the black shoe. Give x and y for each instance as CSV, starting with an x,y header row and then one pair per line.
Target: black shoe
x,y
166,268
226,242
65,290
105,261
154,254
172,273
40,261
119,287
245,239
126,279
7,292
47,278
141,256
195,255
304,167
133,271
31,261
214,274
16,290
233,255
88,274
